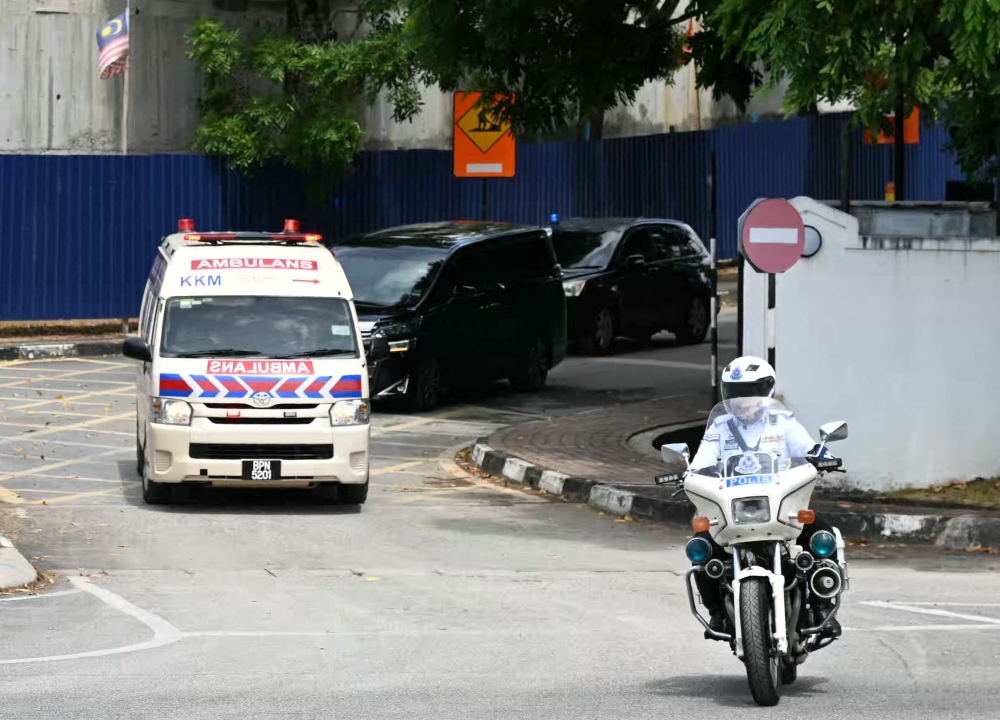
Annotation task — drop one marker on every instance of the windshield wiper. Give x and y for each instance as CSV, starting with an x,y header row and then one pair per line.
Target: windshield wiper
x,y
222,352
320,352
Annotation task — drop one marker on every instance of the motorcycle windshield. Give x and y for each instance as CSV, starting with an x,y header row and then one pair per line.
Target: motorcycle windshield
x,y
744,417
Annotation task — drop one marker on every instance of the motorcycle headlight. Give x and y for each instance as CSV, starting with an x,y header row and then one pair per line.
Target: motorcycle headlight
x,y
573,288
751,510
171,412
350,412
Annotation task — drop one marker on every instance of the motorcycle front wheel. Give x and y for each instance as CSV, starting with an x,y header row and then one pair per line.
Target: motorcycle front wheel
x,y
759,655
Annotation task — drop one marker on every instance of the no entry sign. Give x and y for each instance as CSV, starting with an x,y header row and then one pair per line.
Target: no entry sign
x,y
772,235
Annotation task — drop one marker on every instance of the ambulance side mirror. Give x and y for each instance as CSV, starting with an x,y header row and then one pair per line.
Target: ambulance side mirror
x,y
137,349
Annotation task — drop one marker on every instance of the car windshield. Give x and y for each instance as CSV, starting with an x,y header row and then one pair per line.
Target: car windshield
x,y
389,276
584,248
258,326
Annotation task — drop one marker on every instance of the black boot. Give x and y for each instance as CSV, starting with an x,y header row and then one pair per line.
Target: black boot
x,y
832,629
718,622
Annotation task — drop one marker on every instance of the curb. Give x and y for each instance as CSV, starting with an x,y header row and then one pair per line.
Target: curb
x,y
41,351
953,532
15,571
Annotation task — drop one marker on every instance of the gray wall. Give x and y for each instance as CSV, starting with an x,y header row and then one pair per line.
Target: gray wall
x,y
52,99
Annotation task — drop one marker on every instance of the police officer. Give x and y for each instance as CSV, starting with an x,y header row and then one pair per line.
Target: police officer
x,y
752,424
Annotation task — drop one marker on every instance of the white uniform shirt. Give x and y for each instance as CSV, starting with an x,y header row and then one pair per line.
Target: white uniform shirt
x,y
776,432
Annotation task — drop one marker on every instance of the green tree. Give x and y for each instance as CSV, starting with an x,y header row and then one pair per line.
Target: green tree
x,y
883,56
565,61
296,94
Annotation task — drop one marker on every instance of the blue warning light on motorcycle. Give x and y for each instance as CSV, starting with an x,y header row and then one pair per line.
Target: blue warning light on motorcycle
x,y
823,543
698,550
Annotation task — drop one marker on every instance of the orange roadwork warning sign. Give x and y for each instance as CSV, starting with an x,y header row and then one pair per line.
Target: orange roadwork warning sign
x,y
911,131
483,146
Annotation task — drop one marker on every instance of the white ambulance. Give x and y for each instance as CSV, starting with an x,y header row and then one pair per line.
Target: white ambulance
x,y
252,367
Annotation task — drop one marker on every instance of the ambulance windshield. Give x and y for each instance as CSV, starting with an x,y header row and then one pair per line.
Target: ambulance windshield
x,y
258,326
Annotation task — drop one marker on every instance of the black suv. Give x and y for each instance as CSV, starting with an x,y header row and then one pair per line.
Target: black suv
x,y
456,304
632,278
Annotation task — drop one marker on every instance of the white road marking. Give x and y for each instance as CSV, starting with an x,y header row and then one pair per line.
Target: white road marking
x,y
163,632
40,596
951,604
921,628
676,364
255,633
930,611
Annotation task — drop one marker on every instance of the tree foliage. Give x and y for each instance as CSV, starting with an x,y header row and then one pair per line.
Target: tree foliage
x,y
295,94
563,60
940,55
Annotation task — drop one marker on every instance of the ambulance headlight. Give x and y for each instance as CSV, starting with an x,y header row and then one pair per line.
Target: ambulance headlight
x,y
171,412
350,412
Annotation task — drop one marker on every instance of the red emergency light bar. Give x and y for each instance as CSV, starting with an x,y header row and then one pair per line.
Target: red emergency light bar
x,y
185,225
283,237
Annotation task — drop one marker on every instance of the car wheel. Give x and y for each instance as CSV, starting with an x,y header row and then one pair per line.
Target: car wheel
x,y
140,454
425,389
354,494
696,322
599,335
532,376
154,493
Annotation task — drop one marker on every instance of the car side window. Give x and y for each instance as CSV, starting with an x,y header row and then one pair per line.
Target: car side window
x,y
520,259
672,242
639,242
470,268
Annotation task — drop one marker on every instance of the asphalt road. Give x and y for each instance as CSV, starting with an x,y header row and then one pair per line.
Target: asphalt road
x,y
444,597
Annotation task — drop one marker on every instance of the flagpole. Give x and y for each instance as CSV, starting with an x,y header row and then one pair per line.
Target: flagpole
x,y
128,61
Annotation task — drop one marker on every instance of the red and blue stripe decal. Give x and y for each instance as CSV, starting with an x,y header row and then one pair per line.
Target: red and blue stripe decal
x,y
245,386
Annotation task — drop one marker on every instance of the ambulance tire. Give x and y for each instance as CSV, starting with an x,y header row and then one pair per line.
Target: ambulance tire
x,y
354,494
154,493
140,455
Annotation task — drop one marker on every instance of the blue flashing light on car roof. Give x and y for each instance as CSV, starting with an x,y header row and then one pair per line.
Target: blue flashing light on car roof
x,y
554,218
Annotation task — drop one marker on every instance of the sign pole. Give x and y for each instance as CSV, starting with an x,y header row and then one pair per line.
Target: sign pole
x,y
770,318
128,61
714,304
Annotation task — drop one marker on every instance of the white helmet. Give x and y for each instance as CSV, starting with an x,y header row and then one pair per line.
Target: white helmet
x,y
747,377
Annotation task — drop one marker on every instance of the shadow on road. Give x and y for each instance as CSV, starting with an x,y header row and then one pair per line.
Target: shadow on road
x,y
728,690
190,498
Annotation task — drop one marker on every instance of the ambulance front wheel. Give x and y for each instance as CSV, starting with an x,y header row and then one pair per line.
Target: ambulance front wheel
x,y
154,493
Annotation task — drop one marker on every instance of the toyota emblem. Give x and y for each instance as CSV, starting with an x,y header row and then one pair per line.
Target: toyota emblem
x,y
261,399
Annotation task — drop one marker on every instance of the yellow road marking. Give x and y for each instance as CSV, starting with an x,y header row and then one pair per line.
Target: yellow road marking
x,y
61,413
67,400
76,477
28,380
74,496
74,426
61,464
400,466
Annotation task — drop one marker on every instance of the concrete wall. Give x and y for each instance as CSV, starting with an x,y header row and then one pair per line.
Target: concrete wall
x,y
52,98
896,335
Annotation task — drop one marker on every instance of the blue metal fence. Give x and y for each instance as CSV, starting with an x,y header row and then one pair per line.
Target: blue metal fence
x,y
78,233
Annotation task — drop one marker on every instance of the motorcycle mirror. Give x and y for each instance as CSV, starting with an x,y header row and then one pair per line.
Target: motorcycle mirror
x,y
833,431
668,452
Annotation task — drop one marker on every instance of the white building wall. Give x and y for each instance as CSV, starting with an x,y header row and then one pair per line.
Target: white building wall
x,y
898,338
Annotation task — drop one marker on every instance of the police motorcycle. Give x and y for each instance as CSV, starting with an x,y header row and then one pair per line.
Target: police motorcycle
x,y
779,597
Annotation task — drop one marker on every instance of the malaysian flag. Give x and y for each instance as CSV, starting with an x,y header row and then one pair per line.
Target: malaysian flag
x,y
113,44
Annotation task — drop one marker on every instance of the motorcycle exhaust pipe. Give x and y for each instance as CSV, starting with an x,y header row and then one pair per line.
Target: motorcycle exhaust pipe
x,y
826,582
715,568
